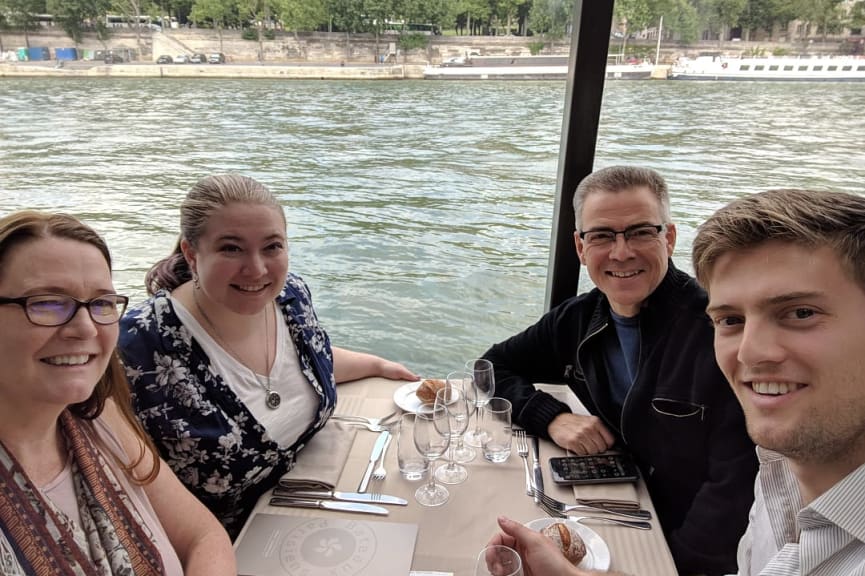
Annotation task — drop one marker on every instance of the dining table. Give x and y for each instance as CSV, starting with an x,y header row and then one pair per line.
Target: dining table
x,y
450,536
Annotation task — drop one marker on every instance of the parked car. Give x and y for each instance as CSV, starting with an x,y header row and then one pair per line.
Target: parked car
x,y
198,58
112,58
182,59
216,58
165,59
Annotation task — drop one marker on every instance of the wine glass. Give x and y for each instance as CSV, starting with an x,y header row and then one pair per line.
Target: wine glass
x,y
453,399
484,383
462,453
497,560
431,438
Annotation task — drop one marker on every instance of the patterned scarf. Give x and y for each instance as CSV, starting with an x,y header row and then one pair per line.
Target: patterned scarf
x,y
114,539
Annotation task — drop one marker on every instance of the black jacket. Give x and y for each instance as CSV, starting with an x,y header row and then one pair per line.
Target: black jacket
x,y
680,419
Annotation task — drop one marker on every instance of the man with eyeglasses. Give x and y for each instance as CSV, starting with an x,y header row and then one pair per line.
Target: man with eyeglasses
x,y
637,352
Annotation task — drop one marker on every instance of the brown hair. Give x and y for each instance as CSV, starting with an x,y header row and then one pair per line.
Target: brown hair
x,y
206,197
619,179
805,217
29,226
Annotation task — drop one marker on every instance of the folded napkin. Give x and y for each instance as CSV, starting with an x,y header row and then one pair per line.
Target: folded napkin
x,y
320,463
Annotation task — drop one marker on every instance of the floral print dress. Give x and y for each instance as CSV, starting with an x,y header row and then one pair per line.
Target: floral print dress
x,y
202,429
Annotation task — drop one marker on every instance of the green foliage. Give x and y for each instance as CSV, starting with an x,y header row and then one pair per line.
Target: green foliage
x,y
550,18
780,51
413,42
269,34
536,47
219,12
755,52
249,34
71,14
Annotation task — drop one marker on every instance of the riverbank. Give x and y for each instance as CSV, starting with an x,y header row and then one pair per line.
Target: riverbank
x,y
83,69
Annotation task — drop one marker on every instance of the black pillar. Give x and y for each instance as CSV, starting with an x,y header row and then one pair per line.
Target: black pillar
x,y
590,39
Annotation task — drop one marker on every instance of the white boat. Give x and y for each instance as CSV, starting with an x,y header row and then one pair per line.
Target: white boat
x,y
786,68
525,68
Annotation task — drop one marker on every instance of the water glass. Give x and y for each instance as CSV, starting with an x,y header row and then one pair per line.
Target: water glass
x,y
497,560
497,422
412,466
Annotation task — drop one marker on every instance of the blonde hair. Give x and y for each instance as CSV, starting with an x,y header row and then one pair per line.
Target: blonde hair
x,y
206,197
808,218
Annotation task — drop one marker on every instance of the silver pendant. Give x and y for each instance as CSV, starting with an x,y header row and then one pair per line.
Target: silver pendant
x,y
273,400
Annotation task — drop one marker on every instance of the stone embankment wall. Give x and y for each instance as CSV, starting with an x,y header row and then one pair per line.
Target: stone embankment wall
x,y
338,48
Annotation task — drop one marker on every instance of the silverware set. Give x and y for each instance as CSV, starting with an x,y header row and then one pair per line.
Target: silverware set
x,y
620,512
371,424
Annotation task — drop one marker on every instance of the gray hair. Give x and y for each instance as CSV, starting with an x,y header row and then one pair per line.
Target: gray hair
x,y
619,179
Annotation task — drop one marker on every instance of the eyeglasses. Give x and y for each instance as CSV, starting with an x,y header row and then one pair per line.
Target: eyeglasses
x,y
639,234
59,309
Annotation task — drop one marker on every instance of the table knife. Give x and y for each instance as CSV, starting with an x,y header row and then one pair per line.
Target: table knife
x,y
329,505
373,457
341,496
536,468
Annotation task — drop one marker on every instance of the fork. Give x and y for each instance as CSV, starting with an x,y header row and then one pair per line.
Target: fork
x,y
371,421
563,508
359,424
523,451
638,524
380,472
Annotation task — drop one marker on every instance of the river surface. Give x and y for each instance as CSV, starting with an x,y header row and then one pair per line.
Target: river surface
x,y
419,212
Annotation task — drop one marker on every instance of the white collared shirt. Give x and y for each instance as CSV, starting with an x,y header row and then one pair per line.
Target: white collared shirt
x,y
825,538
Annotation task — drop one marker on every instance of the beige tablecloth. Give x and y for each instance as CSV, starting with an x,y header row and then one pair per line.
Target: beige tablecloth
x,y
450,536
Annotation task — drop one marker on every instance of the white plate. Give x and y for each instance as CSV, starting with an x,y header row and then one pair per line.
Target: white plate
x,y
405,398
597,553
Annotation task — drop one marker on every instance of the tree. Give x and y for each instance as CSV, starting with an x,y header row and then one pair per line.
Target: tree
x,y
72,14
217,11
633,15
298,15
21,14
550,18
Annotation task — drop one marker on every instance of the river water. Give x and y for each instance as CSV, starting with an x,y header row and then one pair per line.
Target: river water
x,y
419,212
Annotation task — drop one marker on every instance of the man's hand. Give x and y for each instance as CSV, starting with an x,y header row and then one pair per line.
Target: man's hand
x,y
580,434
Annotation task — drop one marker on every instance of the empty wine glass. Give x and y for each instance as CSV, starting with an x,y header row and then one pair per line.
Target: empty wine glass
x,y
453,399
462,453
497,560
484,382
431,438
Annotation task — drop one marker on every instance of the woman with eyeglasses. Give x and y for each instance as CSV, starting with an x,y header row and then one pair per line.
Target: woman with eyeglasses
x,y
83,491
232,373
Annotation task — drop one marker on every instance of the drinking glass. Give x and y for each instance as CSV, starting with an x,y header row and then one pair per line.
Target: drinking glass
x,y
497,441
484,382
497,560
412,465
453,398
462,453
431,438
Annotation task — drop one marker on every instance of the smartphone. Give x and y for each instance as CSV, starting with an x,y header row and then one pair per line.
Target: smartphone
x,y
595,469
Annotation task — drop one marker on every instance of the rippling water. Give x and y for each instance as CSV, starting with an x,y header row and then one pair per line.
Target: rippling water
x,y
419,212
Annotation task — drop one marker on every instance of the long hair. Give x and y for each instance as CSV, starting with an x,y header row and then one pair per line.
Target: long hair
x,y
29,226
206,197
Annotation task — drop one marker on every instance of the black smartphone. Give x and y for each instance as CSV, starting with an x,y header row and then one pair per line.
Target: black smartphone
x,y
595,469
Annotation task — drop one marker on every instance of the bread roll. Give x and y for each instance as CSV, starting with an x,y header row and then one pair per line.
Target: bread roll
x,y
568,541
426,392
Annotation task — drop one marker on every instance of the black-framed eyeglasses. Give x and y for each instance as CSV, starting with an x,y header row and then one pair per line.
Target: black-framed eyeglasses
x,y
634,235
59,309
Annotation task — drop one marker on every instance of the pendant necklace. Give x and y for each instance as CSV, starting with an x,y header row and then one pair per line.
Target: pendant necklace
x,y
272,399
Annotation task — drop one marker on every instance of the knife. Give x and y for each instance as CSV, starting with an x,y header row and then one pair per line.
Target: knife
x,y
330,505
536,469
373,456
341,496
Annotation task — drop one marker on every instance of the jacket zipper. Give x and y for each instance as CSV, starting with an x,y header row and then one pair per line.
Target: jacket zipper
x,y
591,395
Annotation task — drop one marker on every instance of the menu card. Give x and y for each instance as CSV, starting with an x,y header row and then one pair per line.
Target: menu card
x,y
277,544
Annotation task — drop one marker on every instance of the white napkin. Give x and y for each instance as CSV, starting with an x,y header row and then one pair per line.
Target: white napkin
x,y
319,464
